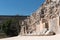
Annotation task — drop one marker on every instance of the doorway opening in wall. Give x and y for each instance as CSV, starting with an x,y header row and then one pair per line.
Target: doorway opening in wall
x,y
46,25
48,30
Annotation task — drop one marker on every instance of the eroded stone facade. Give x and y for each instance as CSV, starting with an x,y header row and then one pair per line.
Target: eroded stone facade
x,y
45,21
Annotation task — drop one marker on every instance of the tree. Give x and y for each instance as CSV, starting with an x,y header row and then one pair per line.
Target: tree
x,y
10,27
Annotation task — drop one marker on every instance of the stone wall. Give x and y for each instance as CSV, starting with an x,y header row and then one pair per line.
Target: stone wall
x,y
45,21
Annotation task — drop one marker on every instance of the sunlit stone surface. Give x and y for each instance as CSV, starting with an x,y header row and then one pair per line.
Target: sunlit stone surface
x,y
45,21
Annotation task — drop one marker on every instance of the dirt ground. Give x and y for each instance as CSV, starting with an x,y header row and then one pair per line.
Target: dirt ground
x,y
55,37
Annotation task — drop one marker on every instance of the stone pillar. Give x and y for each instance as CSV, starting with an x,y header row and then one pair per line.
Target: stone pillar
x,y
25,30
42,27
58,27
54,24
51,25
22,30
38,29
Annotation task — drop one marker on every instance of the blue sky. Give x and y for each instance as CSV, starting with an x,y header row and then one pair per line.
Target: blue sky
x,y
21,7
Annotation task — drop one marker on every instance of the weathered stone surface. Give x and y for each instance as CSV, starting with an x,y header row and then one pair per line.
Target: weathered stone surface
x,y
46,19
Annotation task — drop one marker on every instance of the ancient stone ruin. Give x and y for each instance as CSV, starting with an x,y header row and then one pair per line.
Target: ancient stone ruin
x,y
45,21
